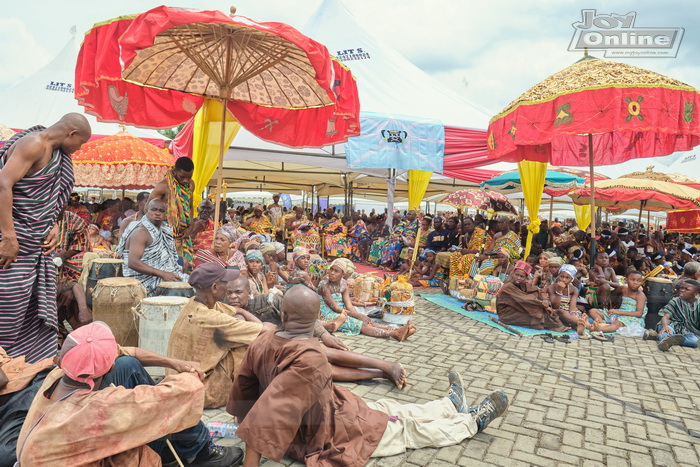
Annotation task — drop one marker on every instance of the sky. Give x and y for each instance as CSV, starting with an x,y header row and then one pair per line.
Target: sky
x,y
488,51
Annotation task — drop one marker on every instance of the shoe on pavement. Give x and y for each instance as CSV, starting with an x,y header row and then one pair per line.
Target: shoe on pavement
x,y
214,455
669,341
456,394
650,335
490,408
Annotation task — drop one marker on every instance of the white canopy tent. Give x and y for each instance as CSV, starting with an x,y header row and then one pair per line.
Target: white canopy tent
x,y
47,95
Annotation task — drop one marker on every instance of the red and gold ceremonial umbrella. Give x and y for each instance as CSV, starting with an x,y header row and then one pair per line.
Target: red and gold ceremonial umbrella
x,y
596,112
490,201
263,72
683,221
122,162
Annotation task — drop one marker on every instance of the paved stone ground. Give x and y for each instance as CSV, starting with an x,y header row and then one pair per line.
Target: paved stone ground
x,y
586,403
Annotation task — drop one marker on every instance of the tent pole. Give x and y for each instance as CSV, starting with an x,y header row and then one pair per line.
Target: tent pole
x,y
551,209
592,181
391,187
220,169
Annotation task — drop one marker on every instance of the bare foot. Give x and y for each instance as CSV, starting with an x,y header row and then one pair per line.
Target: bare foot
x,y
397,375
401,334
596,325
333,326
411,331
582,325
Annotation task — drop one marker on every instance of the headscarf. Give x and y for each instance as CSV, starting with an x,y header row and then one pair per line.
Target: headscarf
x,y
298,252
229,232
349,266
344,265
279,247
252,255
267,247
569,269
556,260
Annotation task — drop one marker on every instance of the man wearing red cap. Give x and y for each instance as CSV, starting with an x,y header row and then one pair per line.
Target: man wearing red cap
x,y
101,407
212,333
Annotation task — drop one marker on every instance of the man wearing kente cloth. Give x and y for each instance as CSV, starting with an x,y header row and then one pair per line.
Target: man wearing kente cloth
x,y
176,190
36,179
285,396
258,223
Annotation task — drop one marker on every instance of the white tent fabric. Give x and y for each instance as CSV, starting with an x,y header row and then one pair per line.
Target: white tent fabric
x,y
47,95
389,83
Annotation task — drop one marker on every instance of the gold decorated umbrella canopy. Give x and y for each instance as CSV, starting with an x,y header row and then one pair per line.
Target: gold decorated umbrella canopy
x,y
122,162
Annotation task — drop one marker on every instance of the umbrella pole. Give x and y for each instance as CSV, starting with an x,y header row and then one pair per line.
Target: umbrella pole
x,y
648,220
592,181
551,208
639,219
220,170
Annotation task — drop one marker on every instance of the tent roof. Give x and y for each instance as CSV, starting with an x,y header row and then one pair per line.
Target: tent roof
x,y
47,95
387,81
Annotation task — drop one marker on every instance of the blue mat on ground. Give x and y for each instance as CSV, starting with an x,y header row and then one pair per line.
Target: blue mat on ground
x,y
453,304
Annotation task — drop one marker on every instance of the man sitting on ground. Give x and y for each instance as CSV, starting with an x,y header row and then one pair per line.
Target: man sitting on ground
x,y
19,383
680,319
346,365
148,249
100,407
288,404
208,331
520,304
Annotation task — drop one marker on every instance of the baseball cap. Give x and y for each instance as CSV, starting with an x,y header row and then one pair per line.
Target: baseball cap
x,y
208,274
92,354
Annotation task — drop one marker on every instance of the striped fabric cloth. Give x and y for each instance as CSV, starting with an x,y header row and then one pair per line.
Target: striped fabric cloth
x,y
159,254
28,321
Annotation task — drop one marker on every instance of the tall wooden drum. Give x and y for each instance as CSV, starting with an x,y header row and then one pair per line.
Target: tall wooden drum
x,y
157,319
174,289
102,268
113,300
659,292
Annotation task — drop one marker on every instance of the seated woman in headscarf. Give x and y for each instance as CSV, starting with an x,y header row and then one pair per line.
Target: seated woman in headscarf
x,y
271,269
520,304
256,277
336,305
499,267
427,272
547,274
223,251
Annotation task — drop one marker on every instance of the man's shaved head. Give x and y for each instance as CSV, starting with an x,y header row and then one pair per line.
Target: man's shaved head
x,y
300,307
76,121
74,131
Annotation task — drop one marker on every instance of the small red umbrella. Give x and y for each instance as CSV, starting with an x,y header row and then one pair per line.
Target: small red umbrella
x,y
489,201
121,161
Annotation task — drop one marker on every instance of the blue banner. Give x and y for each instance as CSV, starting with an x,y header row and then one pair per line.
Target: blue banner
x,y
286,200
397,142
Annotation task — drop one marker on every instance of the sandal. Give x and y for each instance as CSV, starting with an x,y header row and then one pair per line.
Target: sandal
x,y
598,335
547,338
565,339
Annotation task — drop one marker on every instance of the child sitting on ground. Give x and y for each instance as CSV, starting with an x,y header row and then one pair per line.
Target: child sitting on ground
x,y
563,295
603,278
632,310
427,272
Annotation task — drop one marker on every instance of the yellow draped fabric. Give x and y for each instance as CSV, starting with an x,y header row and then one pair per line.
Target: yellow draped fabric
x,y
417,184
583,215
205,143
532,176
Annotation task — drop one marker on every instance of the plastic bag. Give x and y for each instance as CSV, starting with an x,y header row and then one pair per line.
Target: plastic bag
x,y
631,330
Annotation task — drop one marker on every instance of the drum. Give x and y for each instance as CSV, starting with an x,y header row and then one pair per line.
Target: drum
x,y
102,268
113,300
157,316
174,289
659,292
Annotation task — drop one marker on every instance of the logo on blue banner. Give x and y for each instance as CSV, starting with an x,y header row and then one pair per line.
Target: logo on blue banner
x,y
397,142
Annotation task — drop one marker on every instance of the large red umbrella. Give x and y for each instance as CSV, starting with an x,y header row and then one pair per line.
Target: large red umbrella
x,y
490,201
597,112
280,84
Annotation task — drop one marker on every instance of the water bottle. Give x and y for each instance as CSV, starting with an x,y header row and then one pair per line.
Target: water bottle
x,y
222,429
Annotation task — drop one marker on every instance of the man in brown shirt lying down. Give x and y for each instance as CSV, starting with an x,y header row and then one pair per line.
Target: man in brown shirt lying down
x,y
288,403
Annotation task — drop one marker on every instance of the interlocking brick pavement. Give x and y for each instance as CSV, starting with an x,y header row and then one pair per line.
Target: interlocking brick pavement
x,y
588,403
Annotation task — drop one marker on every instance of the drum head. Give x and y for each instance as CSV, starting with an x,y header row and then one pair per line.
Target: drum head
x,y
165,300
660,279
108,260
118,282
175,285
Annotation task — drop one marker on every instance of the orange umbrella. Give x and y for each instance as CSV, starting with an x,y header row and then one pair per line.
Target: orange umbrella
x,y
122,162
